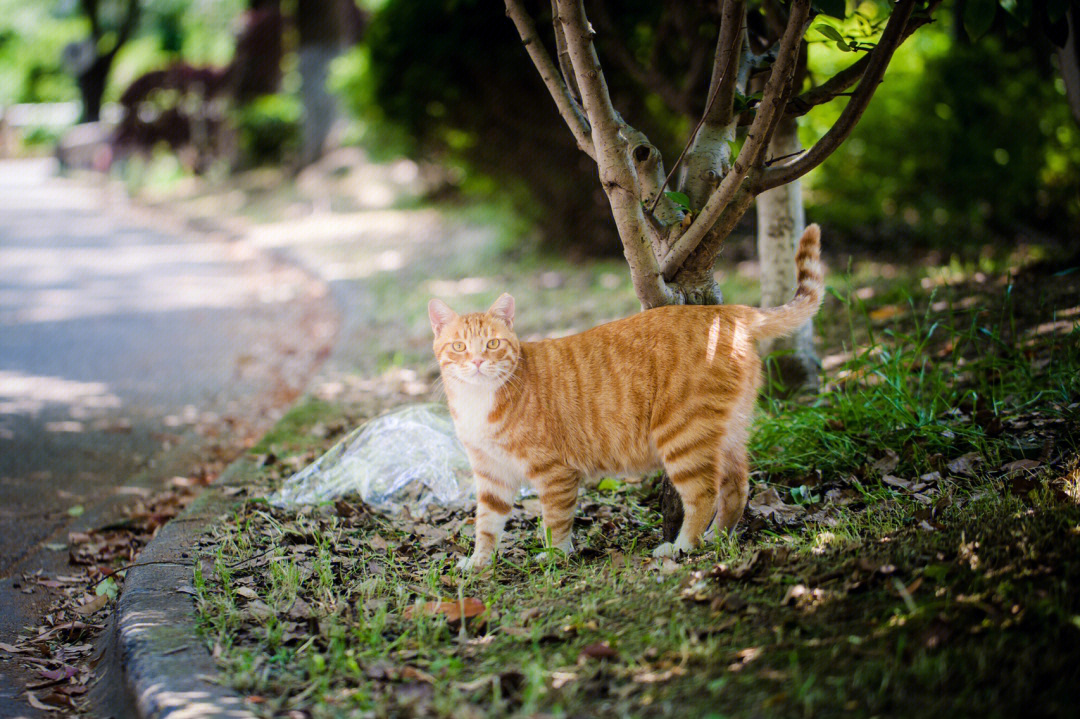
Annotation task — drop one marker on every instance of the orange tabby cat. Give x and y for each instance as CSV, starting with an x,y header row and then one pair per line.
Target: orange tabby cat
x,y
672,386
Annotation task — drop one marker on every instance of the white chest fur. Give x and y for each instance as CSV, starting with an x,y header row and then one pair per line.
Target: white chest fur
x,y
472,406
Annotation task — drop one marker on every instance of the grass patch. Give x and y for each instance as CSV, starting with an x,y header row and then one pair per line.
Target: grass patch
x,y
912,546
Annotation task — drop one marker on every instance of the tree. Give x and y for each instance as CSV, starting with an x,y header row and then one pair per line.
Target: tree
x,y
324,28
672,233
111,25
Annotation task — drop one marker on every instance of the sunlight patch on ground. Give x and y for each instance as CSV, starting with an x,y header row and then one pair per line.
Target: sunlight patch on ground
x,y
56,284
23,393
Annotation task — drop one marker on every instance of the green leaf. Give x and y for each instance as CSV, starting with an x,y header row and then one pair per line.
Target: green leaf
x,y
843,46
108,588
608,484
834,8
679,199
979,17
829,32
76,511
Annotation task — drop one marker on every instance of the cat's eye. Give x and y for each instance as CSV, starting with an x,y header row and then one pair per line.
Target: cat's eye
x,y
458,346
492,344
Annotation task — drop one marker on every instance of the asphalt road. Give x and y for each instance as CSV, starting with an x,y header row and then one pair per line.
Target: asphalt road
x,y
128,346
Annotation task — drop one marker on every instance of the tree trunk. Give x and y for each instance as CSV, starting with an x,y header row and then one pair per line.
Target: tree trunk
x,y
781,221
1069,62
320,107
322,26
92,87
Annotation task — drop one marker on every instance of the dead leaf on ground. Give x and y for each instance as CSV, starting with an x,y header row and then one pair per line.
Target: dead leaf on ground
x,y
32,699
91,606
767,503
453,611
600,650
1021,467
12,649
377,543
888,463
965,464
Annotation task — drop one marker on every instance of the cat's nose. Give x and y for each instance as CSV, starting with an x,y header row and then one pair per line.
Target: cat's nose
x,y
478,362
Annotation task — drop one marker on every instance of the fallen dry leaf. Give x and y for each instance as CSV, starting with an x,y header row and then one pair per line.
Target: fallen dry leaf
x,y
92,605
38,704
767,503
10,649
965,464
1021,466
600,650
453,611
888,463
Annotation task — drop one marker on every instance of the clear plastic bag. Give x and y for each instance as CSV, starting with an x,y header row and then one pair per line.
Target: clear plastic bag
x,y
409,458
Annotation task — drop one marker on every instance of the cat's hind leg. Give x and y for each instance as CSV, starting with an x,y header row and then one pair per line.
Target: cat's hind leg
x,y
692,463
734,487
557,487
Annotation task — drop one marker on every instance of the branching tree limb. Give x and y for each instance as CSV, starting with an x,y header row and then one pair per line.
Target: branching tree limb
x,y
725,72
671,249
844,79
569,109
564,56
757,138
877,61
617,174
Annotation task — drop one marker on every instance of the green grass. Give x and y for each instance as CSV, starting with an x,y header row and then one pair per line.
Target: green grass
x,y
955,599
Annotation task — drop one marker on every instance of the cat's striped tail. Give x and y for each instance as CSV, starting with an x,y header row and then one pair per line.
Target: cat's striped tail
x,y
785,319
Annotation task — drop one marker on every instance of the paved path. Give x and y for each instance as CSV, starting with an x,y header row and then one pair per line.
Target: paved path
x,y
128,347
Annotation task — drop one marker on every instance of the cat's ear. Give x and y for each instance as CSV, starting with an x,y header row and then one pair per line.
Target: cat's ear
x,y
440,315
504,309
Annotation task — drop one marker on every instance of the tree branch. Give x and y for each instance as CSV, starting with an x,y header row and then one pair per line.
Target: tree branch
x,y
617,175
839,83
564,56
90,8
705,253
569,109
729,46
877,61
757,139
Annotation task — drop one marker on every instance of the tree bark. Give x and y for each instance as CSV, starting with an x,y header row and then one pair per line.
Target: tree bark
x,y
321,26
92,87
1069,62
781,221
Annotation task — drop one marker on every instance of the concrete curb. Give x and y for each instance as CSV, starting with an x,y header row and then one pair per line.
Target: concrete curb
x,y
163,665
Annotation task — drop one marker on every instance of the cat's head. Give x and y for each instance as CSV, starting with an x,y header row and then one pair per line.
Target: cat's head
x,y
479,348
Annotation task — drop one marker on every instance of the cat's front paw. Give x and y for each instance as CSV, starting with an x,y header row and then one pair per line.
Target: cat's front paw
x,y
474,563
667,549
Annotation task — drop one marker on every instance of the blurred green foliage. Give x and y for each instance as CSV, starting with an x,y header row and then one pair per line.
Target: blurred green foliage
x,y
33,36
963,141
32,39
449,79
268,129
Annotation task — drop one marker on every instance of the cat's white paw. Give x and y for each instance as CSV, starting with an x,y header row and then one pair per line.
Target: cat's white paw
x,y
672,549
474,563
667,549
564,550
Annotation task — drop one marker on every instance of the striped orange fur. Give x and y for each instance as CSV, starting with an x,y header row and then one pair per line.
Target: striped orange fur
x,y
672,387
